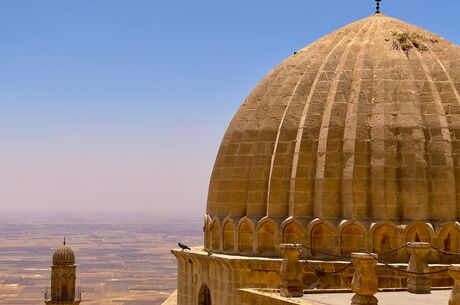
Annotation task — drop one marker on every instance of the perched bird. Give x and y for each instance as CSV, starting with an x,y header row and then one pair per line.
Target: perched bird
x,y
183,247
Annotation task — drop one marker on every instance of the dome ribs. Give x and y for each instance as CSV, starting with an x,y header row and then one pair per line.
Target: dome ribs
x,y
346,131
439,156
280,166
275,144
377,157
355,160
328,201
284,144
406,122
454,126
253,147
259,132
438,95
304,156
221,187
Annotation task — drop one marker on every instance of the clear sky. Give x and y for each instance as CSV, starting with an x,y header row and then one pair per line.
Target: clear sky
x,y
120,105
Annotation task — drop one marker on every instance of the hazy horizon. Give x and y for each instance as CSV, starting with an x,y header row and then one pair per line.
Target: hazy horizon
x,y
120,106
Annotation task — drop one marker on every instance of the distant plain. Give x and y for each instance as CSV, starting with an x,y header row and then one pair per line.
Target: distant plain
x,y
122,259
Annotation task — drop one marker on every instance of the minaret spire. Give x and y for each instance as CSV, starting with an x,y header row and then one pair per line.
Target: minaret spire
x,y
377,9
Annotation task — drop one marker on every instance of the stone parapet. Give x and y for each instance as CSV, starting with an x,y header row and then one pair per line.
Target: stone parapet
x,y
339,297
264,297
225,274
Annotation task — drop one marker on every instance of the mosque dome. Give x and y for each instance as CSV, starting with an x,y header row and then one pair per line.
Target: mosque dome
x,y
349,144
63,256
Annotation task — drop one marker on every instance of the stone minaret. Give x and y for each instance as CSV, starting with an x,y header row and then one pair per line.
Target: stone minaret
x,y
63,276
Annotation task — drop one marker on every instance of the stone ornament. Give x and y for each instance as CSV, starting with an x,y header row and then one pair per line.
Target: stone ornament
x,y
418,262
291,270
454,272
364,283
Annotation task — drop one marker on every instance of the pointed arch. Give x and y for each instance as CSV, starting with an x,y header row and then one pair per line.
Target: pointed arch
x,y
352,237
292,232
215,234
448,239
228,235
267,232
384,235
64,288
204,295
245,236
322,236
419,231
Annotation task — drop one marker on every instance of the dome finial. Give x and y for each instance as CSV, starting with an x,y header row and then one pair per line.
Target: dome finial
x,y
377,9
64,241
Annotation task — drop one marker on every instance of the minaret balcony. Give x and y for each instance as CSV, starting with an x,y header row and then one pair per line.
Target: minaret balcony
x,y
49,299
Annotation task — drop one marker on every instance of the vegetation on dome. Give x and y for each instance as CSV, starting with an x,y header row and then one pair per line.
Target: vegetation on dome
x,y
407,42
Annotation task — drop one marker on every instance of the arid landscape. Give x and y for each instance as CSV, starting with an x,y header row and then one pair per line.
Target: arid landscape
x,y
123,260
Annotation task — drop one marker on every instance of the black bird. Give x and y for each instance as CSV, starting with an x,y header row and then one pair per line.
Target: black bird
x,y
183,247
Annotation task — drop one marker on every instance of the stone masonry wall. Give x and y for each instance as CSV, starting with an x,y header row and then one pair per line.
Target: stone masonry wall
x,y
224,275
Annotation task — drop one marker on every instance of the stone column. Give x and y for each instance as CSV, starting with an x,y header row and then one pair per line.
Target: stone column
x,y
454,272
291,271
418,262
364,283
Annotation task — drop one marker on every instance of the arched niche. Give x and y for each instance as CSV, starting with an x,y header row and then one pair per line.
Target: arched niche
x,y
245,237
229,231
448,239
65,295
266,235
292,233
385,237
352,239
204,296
72,287
215,232
418,233
322,240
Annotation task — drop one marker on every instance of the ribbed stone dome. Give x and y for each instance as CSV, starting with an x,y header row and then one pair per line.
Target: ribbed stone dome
x,y
63,256
357,130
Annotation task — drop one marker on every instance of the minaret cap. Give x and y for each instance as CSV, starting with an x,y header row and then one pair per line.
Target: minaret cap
x,y
64,256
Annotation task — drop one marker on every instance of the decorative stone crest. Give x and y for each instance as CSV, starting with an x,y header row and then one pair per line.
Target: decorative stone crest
x,y
454,272
418,283
364,283
291,285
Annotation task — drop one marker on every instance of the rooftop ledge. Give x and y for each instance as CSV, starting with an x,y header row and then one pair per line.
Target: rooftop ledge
x,y
200,252
343,297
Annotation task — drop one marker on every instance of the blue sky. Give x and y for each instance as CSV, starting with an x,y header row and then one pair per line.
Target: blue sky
x,y
121,104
